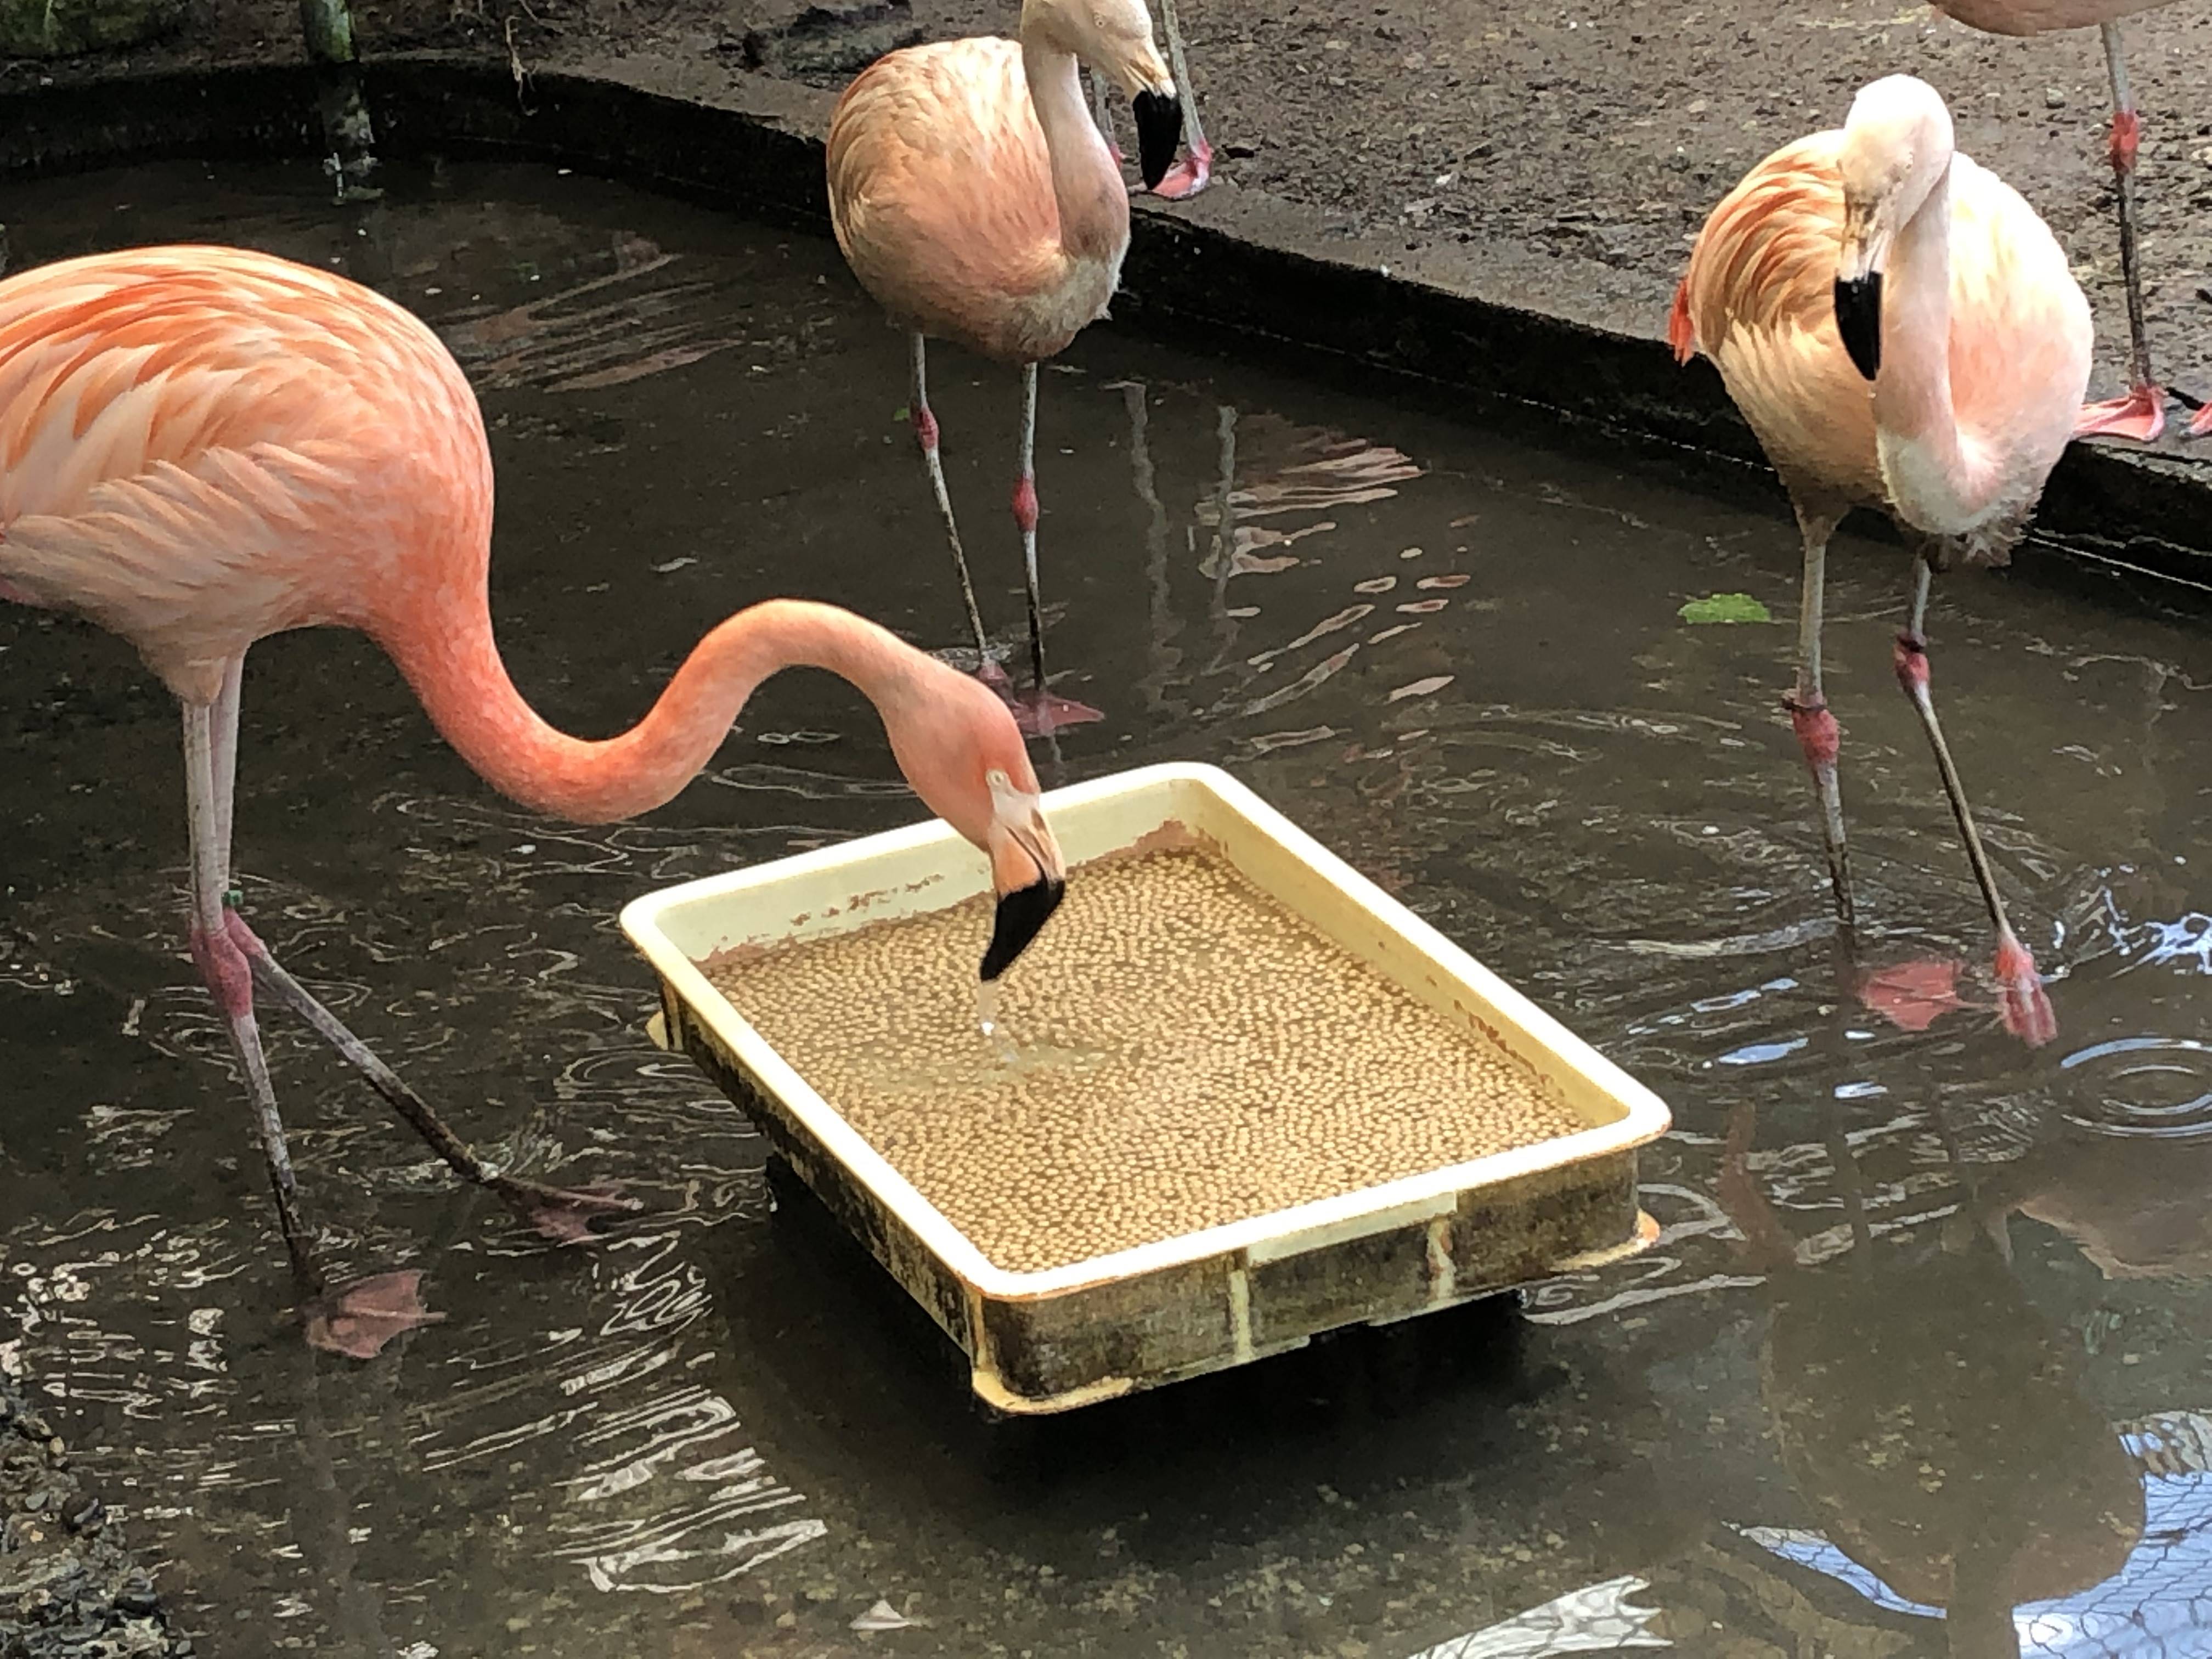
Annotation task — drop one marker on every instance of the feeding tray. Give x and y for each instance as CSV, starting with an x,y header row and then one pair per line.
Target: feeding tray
x,y
1239,1095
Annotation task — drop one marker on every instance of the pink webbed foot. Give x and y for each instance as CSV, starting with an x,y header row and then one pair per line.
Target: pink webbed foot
x,y
2141,415
1189,175
1039,714
1911,995
2021,1001
358,1321
2202,426
563,1215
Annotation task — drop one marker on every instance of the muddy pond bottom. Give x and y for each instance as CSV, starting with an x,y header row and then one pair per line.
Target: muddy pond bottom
x,y
1177,1051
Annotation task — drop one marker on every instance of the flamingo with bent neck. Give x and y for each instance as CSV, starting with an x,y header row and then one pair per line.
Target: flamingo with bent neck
x,y
2140,414
201,446
977,202
1194,169
1878,253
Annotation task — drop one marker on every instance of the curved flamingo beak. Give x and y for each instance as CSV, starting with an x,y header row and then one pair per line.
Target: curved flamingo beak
x,y
1159,133
1026,869
1867,234
1858,319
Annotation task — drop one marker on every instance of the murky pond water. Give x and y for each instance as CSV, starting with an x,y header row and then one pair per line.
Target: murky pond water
x,y
1823,1414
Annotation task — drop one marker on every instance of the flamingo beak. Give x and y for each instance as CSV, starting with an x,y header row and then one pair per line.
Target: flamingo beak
x,y
1027,868
1159,133
1859,264
1021,916
1858,319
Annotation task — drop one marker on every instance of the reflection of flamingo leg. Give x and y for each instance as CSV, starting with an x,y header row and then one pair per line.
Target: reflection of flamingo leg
x,y
1742,1202
1134,400
1225,532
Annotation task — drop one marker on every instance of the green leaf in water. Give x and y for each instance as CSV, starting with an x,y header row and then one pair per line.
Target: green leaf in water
x,y
902,413
1725,608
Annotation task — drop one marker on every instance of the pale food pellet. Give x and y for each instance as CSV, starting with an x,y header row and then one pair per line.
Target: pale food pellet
x,y
1177,1051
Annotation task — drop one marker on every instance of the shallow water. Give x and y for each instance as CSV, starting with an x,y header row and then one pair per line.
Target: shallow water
x,y
1806,1429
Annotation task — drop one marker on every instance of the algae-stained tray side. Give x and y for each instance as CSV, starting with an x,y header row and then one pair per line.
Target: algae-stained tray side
x,y
1200,1301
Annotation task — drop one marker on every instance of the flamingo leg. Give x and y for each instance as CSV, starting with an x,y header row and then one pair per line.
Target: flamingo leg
x,y
554,1212
2026,1007
1807,703
1189,176
1025,518
229,980
1037,712
2141,414
924,432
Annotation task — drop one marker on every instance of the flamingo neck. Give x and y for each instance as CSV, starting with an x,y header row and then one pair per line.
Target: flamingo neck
x,y
455,667
1939,478
1087,188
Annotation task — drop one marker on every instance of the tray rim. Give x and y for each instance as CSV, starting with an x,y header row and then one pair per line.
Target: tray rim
x,y
1338,1217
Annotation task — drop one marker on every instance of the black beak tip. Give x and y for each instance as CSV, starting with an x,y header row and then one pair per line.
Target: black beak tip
x,y
1021,916
1858,319
1159,133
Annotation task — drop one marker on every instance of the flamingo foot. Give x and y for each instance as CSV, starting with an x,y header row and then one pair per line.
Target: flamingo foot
x,y
1189,176
2021,1001
358,1321
559,1213
1911,995
2141,415
2202,426
1039,714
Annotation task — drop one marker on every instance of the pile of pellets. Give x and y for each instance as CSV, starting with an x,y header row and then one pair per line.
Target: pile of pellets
x,y
69,1589
1177,1051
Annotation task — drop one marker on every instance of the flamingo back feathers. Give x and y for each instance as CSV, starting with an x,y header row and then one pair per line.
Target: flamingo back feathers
x,y
201,446
942,197
1759,300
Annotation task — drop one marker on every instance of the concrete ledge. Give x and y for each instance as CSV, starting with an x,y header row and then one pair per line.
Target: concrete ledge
x,y
1235,269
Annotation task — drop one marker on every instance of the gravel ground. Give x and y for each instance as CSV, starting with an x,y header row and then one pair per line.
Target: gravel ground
x,y
69,1589
1560,154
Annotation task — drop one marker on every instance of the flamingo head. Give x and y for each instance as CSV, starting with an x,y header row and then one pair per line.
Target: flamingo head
x,y
1114,37
958,746
1897,146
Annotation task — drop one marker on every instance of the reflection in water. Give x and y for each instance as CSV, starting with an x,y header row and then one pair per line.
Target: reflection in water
x,y
1941,1431
1600,1617
1465,672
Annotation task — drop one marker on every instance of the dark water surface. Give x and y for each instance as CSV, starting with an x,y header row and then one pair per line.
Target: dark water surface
x,y
1812,1428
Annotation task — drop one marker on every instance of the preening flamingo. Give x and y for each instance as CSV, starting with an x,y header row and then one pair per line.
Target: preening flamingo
x,y
976,200
2142,413
201,446
1878,253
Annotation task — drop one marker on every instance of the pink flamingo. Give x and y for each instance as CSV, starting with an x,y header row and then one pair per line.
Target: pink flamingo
x,y
201,446
976,199
1878,253
2142,413
1191,172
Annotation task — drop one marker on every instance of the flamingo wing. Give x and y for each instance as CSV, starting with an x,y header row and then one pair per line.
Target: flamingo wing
x,y
941,188
181,428
1759,300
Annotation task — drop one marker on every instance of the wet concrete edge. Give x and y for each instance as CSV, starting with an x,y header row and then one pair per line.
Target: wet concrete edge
x,y
1215,275
69,1586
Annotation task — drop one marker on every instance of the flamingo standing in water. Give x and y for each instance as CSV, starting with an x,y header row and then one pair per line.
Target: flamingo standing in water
x,y
1878,253
2142,413
201,446
976,200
